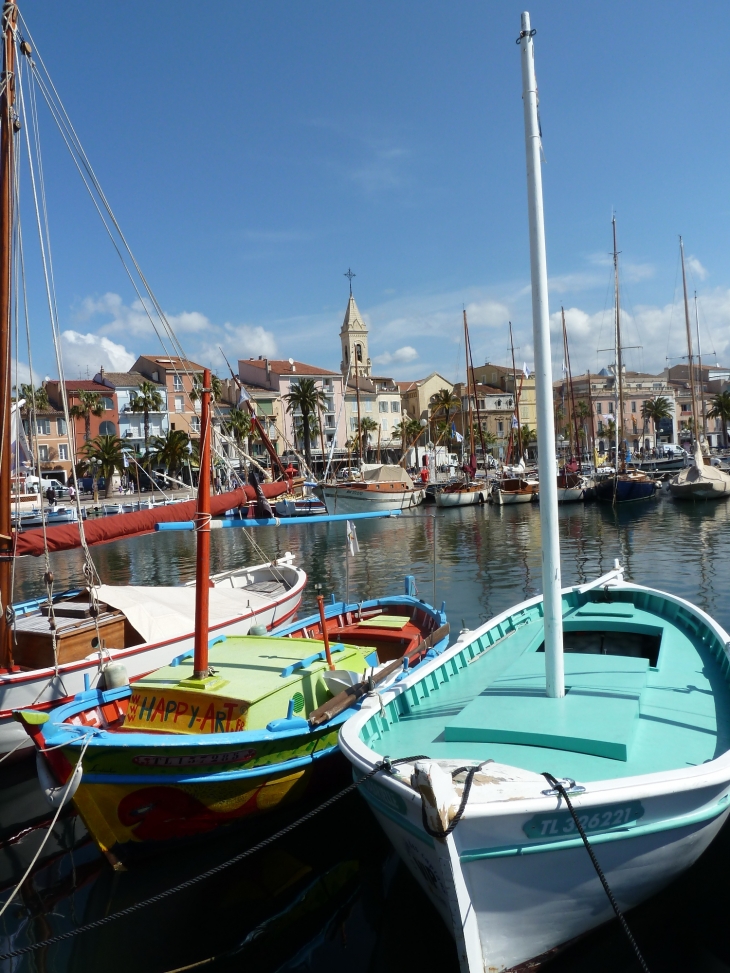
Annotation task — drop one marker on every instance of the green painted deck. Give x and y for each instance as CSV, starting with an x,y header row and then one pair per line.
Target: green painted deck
x,y
621,716
248,671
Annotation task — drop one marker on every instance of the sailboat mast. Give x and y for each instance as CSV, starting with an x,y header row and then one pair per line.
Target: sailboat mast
x,y
514,389
551,580
10,15
690,356
202,529
571,390
699,365
468,392
619,364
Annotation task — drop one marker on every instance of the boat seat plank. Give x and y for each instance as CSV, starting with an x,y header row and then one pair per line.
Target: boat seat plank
x,y
386,621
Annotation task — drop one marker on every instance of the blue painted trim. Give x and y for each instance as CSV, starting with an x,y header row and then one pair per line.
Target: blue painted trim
x,y
191,652
310,659
226,775
23,607
655,827
279,521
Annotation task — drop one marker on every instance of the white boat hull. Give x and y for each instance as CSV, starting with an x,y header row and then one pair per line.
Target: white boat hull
x,y
505,497
461,498
527,906
341,500
43,689
570,494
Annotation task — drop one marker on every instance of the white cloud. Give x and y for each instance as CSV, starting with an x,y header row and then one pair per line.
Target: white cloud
x,y
133,318
21,375
700,272
401,355
238,341
82,351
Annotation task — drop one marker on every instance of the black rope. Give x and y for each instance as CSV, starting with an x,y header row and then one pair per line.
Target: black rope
x,y
470,771
556,785
386,765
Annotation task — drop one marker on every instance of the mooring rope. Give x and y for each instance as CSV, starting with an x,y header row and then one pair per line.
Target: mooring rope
x,y
556,785
203,876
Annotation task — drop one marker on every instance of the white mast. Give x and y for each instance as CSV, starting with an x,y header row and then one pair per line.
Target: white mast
x,y
551,582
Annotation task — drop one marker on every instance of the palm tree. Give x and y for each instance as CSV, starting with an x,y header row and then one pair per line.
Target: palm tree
x,y
444,405
305,398
34,398
583,413
528,435
407,430
656,410
367,426
90,404
238,425
106,455
147,399
216,388
721,410
172,450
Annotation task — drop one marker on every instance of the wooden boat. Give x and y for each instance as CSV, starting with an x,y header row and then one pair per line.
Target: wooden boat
x,y
461,494
571,487
142,627
514,490
299,507
626,487
384,488
610,695
188,749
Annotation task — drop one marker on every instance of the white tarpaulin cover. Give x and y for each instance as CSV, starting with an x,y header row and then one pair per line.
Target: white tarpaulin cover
x,y
161,613
386,474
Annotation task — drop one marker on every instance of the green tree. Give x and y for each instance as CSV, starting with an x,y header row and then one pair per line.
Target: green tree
x,y
304,400
238,425
721,410
148,398
655,410
367,427
34,398
171,450
216,388
445,405
106,453
89,404
407,430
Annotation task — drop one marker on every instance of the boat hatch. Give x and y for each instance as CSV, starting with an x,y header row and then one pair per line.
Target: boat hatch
x,y
598,715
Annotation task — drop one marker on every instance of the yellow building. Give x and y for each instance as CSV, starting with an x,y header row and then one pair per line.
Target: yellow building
x,y
502,377
417,396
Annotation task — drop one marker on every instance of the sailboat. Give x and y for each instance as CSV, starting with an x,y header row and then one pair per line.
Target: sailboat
x,y
610,695
230,731
466,492
56,646
624,486
700,480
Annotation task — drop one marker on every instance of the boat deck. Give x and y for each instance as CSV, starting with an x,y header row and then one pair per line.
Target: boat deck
x,y
663,703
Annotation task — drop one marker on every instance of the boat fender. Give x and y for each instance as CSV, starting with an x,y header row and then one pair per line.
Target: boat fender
x,y
56,794
287,724
115,675
259,630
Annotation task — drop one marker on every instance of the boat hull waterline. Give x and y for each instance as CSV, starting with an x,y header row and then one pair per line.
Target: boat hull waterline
x,y
513,881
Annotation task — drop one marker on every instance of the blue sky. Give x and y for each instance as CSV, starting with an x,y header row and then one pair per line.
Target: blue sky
x,y
254,152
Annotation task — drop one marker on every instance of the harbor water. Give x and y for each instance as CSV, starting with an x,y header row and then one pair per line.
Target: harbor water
x,y
331,892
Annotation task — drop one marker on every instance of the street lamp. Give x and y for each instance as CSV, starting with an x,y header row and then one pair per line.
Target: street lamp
x,y
94,482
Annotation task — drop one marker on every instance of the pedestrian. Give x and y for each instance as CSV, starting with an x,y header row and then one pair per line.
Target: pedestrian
x,y
71,493
51,496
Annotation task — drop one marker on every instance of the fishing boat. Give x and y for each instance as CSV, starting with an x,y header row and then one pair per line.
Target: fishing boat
x,y
571,487
700,480
514,489
461,494
610,698
382,488
241,730
299,507
626,485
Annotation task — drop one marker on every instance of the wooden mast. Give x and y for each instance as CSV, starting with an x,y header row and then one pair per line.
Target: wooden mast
x,y
699,365
619,357
690,357
516,395
202,562
10,14
468,392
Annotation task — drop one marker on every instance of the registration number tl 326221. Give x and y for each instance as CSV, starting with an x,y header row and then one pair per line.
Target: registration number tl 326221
x,y
560,824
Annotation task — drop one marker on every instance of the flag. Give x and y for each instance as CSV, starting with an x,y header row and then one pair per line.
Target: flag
x,y
243,397
525,370
126,460
515,423
352,545
458,437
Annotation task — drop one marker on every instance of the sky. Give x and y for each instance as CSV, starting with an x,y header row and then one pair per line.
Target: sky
x,y
255,152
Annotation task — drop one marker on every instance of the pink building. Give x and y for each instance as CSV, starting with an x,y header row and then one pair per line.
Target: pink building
x,y
279,376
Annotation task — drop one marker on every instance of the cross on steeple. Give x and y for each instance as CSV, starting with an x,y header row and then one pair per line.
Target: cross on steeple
x,y
349,276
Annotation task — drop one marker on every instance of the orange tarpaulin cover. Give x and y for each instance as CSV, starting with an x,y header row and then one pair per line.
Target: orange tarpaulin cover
x,y
105,529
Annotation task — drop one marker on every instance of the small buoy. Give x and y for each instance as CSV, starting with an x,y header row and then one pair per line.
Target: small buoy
x,y
258,630
115,676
